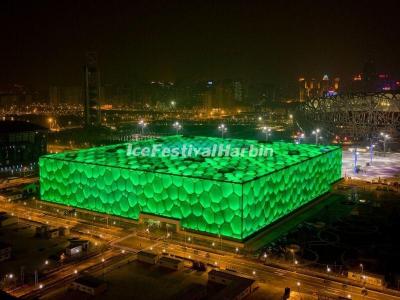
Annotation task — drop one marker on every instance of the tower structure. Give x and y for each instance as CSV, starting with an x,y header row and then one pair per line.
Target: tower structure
x,y
91,91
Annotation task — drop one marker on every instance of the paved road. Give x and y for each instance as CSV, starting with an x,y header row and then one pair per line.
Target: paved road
x,y
18,181
310,285
69,271
277,277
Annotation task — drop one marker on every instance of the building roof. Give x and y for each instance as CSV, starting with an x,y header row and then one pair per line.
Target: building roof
x,y
90,281
170,259
73,246
148,254
236,285
230,276
19,126
193,290
79,242
200,164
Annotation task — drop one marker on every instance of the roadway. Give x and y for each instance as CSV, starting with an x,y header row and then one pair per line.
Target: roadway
x,y
277,277
113,236
17,182
68,273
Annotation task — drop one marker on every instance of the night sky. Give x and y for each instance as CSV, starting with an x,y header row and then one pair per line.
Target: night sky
x,y
44,42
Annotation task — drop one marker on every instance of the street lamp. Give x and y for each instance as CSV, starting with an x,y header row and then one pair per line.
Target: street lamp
x,y
267,132
385,138
302,136
355,156
102,264
328,269
371,152
298,287
177,127
299,136
316,133
50,120
142,125
223,129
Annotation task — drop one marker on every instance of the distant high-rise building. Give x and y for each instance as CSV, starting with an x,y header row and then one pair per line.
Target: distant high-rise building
x,y
65,95
16,94
238,91
371,81
21,145
318,88
54,95
91,91
369,73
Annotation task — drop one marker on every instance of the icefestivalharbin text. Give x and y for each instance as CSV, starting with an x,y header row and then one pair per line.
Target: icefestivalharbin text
x,y
189,150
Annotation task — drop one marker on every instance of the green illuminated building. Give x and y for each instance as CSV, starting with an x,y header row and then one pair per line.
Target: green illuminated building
x,y
234,196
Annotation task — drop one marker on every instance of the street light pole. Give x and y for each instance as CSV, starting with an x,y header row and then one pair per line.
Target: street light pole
x,y
102,263
223,129
300,137
316,133
177,127
355,157
385,138
371,152
142,125
298,288
267,132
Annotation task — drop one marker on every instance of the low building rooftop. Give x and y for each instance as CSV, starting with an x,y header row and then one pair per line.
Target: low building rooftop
x,y
90,281
230,276
147,253
237,284
170,259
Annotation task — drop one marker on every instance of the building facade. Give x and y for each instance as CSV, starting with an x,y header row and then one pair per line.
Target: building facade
x,y
21,145
219,195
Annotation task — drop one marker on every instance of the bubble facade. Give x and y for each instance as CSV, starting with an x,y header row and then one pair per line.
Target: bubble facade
x,y
229,196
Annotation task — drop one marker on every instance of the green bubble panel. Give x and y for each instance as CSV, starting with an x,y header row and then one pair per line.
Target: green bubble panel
x,y
230,196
